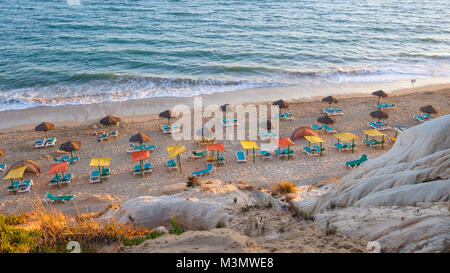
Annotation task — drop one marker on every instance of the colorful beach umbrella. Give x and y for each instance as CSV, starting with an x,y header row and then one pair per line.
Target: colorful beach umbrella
x,y
31,166
140,156
314,140
16,173
226,108
45,127
286,142
58,168
217,147
176,151
250,145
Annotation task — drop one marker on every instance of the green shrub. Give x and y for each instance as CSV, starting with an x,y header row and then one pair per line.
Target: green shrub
x,y
176,227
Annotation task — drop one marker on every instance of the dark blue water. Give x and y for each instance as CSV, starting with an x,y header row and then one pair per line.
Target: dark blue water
x,y
70,52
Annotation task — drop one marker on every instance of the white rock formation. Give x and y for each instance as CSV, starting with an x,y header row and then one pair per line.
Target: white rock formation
x,y
379,200
198,208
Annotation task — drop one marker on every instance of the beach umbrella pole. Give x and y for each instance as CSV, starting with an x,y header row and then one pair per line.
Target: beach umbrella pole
x,y
100,173
142,168
12,185
179,162
353,144
253,155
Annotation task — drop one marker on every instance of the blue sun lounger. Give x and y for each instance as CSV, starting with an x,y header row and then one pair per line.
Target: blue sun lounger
x,y
20,187
206,171
240,157
2,167
265,155
333,112
147,168
40,143
310,151
171,165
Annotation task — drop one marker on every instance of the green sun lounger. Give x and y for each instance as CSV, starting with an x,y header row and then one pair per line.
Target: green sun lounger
x,y
355,163
50,199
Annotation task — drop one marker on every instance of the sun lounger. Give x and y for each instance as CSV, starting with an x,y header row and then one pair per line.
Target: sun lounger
x,y
2,167
230,122
333,112
21,187
114,134
310,152
267,135
198,155
206,171
284,153
50,142
328,129
95,177
166,129
385,105
265,155
316,127
220,160
419,118
379,125
426,116
39,143
103,137
73,160
147,168
175,128
343,146
62,159
318,149
355,163
171,165
62,179
50,199
285,116
206,141
373,143
240,157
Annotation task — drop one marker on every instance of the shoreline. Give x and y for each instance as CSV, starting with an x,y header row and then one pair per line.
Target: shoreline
x,y
141,109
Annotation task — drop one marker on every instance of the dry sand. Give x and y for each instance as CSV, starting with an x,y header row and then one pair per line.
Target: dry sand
x,y
302,170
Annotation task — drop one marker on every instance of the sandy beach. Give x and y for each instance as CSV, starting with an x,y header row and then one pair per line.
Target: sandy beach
x,y
17,139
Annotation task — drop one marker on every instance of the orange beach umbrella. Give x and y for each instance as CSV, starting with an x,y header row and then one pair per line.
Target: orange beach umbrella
x,y
140,156
58,168
283,142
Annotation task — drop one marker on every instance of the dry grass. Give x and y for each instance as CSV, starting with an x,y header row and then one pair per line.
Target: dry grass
x,y
53,230
282,188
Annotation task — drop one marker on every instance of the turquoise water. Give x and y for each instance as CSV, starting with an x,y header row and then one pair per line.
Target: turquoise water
x,y
71,52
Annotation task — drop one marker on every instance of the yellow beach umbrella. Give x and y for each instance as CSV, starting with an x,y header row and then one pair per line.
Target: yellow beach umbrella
x,y
100,162
375,133
249,145
346,137
315,139
176,151
16,173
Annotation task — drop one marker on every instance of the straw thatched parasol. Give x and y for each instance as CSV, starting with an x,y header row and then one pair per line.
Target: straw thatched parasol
x,y
379,114
31,165
45,127
109,120
226,108
70,146
429,109
303,131
166,114
379,94
330,100
326,120
281,104
140,137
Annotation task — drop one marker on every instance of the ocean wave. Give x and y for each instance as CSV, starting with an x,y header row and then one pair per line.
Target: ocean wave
x,y
86,88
